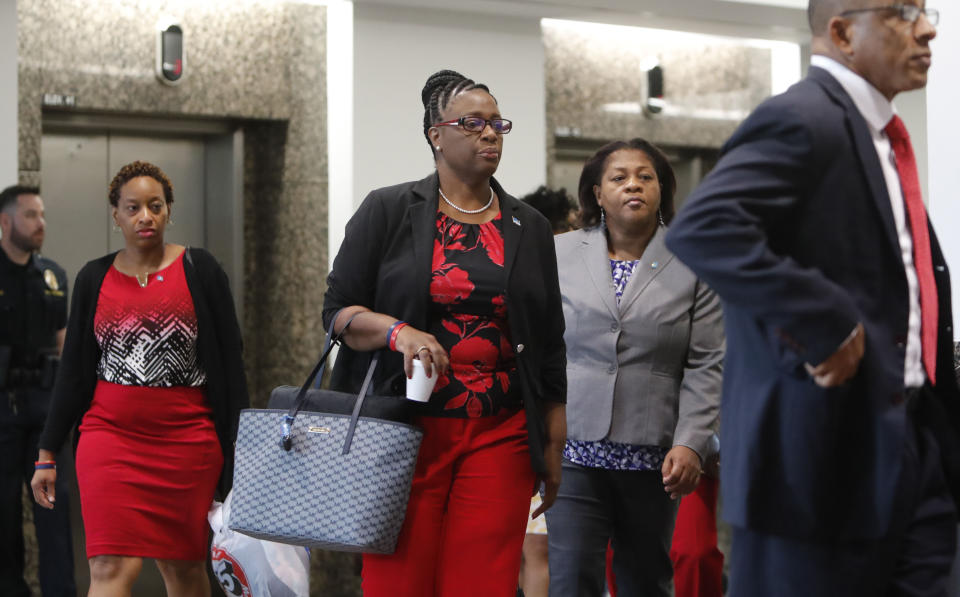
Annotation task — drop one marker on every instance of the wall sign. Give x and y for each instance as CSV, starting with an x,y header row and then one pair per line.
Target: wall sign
x,y
171,57
59,100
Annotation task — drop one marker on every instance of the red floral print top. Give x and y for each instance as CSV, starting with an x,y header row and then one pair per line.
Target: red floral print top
x,y
468,316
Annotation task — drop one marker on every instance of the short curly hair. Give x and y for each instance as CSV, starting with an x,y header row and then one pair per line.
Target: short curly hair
x,y
135,170
555,205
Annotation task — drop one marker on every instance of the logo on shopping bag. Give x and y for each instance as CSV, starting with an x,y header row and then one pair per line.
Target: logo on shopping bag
x,y
229,573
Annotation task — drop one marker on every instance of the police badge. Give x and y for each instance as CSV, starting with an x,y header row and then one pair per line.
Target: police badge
x,y
50,279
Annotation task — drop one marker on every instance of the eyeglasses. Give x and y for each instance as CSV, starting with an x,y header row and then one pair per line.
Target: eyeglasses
x,y
908,12
475,124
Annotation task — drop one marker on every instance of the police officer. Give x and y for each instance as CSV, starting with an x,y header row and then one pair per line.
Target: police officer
x,y
33,319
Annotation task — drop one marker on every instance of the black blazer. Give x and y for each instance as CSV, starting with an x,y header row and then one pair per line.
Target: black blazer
x,y
219,348
384,264
794,231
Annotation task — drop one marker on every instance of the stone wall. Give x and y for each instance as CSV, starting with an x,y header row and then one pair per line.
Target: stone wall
x,y
596,84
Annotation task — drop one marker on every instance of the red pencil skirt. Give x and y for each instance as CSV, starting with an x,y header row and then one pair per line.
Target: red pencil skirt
x,y
148,461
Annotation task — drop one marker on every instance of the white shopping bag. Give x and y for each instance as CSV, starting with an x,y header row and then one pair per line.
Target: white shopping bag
x,y
248,567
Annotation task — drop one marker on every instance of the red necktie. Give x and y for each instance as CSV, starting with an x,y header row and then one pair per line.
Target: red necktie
x,y
922,261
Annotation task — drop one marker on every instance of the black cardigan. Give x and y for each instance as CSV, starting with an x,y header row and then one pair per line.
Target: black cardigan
x,y
219,348
384,264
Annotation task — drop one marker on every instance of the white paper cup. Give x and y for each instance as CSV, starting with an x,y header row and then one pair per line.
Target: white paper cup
x,y
419,387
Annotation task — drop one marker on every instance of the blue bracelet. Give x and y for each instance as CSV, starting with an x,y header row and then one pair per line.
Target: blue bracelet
x,y
44,466
393,327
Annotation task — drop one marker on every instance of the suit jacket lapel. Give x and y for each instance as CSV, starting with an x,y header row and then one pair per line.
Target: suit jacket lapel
x,y
655,259
596,262
866,151
512,220
423,221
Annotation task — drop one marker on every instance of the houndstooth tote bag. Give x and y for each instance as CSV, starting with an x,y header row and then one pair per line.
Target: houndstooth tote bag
x,y
335,477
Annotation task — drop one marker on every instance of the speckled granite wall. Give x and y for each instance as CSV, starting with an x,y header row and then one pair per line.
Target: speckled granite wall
x,y
595,81
262,63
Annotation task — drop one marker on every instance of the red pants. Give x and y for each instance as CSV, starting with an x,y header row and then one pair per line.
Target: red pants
x,y
467,514
697,563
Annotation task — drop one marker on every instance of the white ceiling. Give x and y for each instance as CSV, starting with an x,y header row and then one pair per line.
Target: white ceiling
x,y
763,19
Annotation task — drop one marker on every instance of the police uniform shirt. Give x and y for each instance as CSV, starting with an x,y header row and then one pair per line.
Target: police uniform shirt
x,y
33,307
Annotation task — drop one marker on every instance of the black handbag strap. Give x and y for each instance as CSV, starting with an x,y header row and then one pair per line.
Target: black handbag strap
x,y
286,436
318,375
364,390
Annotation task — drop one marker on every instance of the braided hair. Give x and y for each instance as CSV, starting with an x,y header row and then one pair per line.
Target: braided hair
x,y
439,90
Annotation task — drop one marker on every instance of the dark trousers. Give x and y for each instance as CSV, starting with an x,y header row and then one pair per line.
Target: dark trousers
x,y
913,560
630,510
19,432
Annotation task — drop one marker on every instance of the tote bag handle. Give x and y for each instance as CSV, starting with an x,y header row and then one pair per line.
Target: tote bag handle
x,y
286,435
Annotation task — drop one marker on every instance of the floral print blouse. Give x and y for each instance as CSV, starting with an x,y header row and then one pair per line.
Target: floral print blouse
x,y
468,316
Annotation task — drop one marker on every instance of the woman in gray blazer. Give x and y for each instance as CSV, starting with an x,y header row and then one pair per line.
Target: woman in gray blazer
x,y
644,349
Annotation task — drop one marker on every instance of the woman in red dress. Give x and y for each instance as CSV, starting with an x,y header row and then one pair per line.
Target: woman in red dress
x,y
152,372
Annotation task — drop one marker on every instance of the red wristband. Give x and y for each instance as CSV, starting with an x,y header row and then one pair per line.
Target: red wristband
x,y
396,332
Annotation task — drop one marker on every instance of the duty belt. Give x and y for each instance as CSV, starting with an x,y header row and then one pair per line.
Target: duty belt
x,y
18,377
41,376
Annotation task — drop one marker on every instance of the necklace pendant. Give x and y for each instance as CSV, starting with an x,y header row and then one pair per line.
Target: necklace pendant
x,y
142,279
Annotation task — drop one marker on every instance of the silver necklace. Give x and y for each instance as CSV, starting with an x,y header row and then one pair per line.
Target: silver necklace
x,y
468,211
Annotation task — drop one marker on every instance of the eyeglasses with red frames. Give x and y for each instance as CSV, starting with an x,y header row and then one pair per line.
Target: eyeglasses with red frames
x,y
475,124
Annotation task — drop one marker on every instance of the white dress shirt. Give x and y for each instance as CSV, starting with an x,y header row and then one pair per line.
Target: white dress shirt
x,y
878,112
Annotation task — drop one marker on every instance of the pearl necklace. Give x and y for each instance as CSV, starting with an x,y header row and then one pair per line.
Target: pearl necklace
x,y
468,211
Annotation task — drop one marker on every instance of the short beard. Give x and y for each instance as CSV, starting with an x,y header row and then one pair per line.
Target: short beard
x,y
23,242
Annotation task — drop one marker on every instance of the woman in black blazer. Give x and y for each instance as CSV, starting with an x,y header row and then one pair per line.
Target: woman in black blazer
x,y
457,273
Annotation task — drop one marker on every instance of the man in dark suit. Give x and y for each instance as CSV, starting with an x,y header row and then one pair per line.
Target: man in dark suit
x,y
840,410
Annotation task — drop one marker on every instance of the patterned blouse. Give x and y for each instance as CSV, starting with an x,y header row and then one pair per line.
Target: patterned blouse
x,y
148,336
605,454
468,316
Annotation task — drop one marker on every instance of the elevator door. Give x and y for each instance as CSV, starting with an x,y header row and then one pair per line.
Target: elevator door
x,y
76,170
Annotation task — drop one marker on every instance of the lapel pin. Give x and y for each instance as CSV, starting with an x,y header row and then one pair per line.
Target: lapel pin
x,y
655,264
516,220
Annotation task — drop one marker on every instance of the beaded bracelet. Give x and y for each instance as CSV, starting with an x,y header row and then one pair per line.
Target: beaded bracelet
x,y
393,332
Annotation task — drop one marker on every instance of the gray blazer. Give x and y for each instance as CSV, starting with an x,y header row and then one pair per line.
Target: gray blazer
x,y
646,372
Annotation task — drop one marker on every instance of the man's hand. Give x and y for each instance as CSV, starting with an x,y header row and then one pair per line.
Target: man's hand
x,y
841,365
